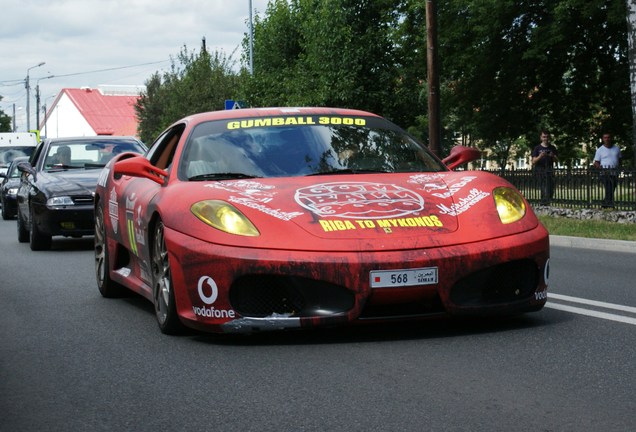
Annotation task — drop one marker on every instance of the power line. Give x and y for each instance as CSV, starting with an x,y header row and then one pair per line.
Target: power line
x,y
20,81
109,69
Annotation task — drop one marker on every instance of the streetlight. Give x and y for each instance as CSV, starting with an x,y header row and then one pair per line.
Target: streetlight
x,y
15,126
26,84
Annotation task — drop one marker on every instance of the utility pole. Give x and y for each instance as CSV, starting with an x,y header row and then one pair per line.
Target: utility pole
x,y
434,128
251,41
631,44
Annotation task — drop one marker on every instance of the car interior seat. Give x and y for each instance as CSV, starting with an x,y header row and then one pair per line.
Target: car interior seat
x,y
200,160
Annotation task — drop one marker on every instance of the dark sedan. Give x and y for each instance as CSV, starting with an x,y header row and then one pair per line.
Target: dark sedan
x,y
9,188
57,186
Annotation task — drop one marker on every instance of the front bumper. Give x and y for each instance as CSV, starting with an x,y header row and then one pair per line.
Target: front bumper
x,y
10,204
228,289
70,221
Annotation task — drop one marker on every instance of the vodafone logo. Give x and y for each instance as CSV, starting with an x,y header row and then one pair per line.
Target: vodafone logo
x,y
208,291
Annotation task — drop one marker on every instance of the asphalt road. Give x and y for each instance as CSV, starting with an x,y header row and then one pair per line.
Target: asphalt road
x,y
73,361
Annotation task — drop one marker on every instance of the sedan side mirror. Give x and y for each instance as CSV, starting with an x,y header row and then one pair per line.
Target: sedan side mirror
x,y
26,167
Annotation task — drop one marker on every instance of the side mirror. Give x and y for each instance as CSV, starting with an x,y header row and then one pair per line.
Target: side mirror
x,y
26,167
139,166
460,155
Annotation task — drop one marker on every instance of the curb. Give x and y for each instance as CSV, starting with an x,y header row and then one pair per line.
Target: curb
x,y
592,243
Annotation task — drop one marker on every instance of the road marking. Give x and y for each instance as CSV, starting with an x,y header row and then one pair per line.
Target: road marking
x,y
592,312
593,303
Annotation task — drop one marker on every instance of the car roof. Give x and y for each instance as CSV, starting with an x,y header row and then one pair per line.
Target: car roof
x,y
94,138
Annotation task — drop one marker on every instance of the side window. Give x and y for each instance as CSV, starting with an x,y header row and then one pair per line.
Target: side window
x,y
162,150
36,154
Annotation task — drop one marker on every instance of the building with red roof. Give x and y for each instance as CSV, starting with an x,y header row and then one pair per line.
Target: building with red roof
x,y
106,110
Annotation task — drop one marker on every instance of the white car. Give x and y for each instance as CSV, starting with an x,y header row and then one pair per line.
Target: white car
x,y
13,145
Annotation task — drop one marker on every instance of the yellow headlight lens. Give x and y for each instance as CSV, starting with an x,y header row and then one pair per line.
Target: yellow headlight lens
x,y
510,204
225,217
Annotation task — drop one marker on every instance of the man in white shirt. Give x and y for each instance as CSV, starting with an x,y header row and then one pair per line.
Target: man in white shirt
x,y
608,157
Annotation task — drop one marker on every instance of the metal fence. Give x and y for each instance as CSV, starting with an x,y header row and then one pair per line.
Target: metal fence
x,y
576,188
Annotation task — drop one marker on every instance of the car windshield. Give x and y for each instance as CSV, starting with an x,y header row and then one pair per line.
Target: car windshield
x,y
289,146
14,172
87,154
7,154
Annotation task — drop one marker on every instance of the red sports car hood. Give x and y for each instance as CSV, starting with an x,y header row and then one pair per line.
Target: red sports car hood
x,y
359,212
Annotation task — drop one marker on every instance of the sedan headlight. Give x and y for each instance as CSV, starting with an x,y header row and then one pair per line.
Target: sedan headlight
x,y
12,191
225,217
61,201
510,204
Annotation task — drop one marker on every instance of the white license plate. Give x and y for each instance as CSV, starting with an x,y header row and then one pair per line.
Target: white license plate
x,y
404,277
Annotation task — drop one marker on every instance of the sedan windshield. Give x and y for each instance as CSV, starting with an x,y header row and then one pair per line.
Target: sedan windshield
x,y
289,146
92,153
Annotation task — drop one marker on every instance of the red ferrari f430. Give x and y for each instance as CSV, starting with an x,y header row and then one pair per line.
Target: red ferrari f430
x,y
279,218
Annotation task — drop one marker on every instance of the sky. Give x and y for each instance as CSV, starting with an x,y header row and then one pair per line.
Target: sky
x,y
91,43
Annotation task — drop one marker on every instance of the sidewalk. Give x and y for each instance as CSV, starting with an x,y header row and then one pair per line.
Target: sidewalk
x,y
591,243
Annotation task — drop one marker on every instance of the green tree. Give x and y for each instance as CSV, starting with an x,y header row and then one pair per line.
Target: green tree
x,y
196,82
508,69
325,53
517,66
5,121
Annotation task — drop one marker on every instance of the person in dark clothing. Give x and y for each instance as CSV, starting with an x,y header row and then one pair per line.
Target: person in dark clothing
x,y
544,156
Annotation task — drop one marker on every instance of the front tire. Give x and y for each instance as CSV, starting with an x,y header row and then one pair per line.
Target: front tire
x,y
107,287
38,240
23,233
162,288
6,215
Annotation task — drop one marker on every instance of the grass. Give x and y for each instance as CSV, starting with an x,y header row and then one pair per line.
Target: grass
x,y
589,228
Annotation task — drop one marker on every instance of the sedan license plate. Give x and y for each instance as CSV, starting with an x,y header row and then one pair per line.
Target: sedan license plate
x,y
404,277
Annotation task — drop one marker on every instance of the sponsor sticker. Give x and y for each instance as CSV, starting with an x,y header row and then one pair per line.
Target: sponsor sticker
x,y
359,200
113,209
254,195
209,292
296,120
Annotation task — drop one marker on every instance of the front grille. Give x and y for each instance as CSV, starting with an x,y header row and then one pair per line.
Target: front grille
x,y
503,283
260,296
424,307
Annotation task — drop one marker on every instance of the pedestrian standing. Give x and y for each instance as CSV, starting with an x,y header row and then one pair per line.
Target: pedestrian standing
x,y
543,157
608,159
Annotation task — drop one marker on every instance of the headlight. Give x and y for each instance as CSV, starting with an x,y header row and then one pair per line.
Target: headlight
x,y
60,201
510,204
12,191
225,217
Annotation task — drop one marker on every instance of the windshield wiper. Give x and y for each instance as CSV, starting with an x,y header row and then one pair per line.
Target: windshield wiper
x,y
221,176
94,165
347,171
62,167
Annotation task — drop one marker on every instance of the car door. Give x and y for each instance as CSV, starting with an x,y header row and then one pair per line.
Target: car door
x,y
135,195
27,186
